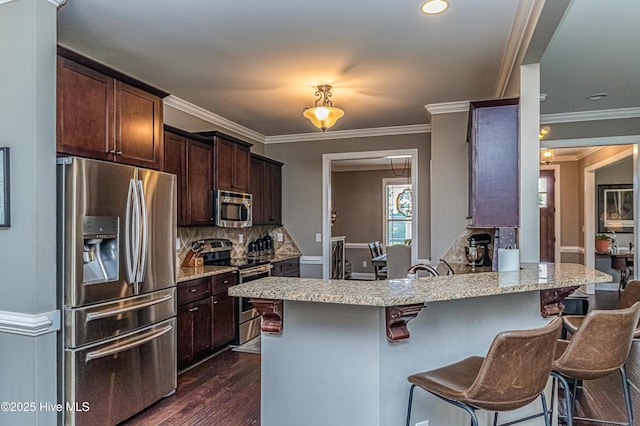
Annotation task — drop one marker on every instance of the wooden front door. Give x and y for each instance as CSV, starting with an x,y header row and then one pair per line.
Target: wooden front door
x,y
546,196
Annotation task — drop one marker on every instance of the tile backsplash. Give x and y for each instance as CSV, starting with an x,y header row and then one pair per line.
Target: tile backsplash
x,y
187,235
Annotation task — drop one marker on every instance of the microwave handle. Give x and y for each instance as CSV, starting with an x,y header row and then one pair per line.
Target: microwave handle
x,y
214,205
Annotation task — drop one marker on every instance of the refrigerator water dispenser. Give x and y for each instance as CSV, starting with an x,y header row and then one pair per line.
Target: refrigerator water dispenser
x,y
100,249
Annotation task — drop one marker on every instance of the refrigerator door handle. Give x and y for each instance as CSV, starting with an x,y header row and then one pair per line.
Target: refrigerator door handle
x,y
132,343
111,312
144,237
129,232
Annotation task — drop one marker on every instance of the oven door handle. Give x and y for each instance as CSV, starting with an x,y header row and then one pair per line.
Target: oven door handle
x,y
248,274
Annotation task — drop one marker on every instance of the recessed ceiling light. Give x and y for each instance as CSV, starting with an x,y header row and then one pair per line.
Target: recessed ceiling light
x,y
597,96
432,7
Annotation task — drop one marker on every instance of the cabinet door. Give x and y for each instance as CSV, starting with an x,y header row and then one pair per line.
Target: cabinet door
x,y
174,162
224,164
198,183
274,194
201,311
139,141
241,167
256,189
185,335
493,164
85,111
224,319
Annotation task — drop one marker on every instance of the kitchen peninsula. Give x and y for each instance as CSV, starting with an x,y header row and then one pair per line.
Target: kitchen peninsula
x,y
339,351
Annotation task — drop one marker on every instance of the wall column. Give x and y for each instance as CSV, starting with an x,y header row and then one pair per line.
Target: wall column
x,y
529,162
28,317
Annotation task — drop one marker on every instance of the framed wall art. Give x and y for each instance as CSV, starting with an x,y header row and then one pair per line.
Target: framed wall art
x,y
615,208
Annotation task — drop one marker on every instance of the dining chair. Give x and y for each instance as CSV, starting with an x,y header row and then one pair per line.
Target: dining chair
x,y
376,250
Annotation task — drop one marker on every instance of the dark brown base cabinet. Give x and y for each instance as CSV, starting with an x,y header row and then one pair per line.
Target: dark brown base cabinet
x,y
286,268
206,317
190,158
106,115
494,190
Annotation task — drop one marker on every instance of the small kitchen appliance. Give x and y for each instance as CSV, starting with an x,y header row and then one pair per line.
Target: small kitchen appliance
x,y
477,251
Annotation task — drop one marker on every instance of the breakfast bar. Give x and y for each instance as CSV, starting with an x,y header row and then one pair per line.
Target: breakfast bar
x,y
339,351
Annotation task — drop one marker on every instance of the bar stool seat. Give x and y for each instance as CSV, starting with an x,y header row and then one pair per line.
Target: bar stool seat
x,y
513,374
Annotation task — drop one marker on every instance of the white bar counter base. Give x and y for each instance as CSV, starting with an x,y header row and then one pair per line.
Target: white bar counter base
x,y
327,357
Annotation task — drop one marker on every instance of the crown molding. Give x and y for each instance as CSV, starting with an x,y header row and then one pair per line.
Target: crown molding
x,y
57,3
447,107
604,140
603,114
29,325
524,24
346,134
203,114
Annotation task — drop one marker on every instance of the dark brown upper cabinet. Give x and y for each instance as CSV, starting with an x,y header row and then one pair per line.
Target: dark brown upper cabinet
x,y
265,186
106,115
190,157
231,158
494,178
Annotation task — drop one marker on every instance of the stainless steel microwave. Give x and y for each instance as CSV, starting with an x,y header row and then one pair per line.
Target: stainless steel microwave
x,y
232,209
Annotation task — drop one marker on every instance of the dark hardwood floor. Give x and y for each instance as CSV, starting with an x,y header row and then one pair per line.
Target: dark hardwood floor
x,y
225,390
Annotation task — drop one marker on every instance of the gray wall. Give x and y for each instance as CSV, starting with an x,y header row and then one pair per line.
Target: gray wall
x,y
302,185
358,200
449,181
28,260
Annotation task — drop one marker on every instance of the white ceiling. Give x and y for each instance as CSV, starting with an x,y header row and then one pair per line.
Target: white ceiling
x,y
257,64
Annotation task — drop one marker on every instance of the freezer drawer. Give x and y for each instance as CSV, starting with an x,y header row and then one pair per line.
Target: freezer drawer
x,y
113,380
111,319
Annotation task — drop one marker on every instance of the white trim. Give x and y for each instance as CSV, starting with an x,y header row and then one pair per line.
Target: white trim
x,y
447,107
524,24
345,134
603,114
385,220
363,276
203,114
356,246
326,195
572,249
590,205
311,260
57,3
605,140
29,324
557,204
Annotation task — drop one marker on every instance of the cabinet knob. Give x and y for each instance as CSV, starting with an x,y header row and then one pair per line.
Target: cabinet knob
x,y
225,282
193,290
215,302
194,309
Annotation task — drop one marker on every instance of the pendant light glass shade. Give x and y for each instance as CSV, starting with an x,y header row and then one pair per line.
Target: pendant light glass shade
x,y
326,115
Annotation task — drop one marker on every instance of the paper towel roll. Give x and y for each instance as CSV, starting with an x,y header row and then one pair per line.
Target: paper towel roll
x,y
508,260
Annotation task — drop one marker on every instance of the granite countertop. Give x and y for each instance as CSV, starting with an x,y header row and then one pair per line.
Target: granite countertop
x,y
186,273
420,290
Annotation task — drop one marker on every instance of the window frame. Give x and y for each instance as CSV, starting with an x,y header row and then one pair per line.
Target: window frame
x,y
385,219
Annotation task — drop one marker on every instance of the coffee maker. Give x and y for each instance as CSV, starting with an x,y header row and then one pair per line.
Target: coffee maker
x,y
481,241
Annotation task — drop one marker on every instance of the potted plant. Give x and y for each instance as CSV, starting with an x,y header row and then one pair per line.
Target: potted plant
x,y
603,243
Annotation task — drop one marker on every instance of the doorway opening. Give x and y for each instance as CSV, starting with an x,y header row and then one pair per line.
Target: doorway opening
x,y
403,163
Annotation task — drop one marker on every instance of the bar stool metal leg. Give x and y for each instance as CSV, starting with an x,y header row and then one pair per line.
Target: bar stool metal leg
x,y
410,402
627,394
567,397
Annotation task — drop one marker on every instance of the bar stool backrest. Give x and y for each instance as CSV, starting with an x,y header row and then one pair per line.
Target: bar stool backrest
x,y
601,344
516,368
630,295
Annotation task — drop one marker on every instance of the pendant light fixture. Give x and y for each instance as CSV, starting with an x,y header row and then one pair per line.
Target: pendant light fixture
x,y
546,156
325,115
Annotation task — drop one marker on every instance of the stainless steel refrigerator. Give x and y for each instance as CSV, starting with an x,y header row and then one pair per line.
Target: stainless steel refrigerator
x,y
116,282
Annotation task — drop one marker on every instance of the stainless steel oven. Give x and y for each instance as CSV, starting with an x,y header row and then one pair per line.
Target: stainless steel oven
x,y
248,317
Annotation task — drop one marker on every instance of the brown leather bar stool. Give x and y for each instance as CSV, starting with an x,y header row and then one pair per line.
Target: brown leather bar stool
x,y
514,373
630,295
598,348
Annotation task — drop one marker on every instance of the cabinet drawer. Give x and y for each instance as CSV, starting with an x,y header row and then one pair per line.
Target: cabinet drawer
x,y
220,283
190,291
